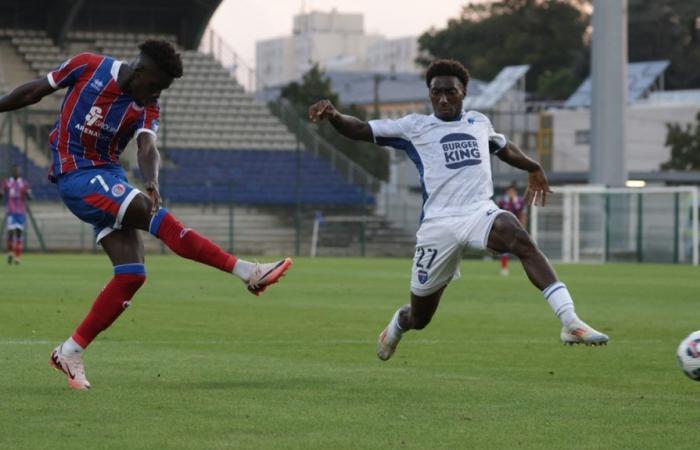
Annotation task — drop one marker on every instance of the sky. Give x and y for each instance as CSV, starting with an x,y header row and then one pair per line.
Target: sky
x,y
243,22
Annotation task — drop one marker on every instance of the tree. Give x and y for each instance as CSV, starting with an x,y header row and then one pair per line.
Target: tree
x,y
667,29
685,146
316,86
546,34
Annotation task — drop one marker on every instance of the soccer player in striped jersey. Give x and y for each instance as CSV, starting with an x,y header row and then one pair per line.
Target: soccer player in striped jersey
x,y
451,149
107,103
16,191
515,204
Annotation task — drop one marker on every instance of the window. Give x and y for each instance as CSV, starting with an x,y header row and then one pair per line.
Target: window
x,y
582,137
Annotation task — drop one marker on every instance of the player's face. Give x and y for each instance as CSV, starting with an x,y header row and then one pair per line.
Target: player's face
x,y
446,94
148,85
15,172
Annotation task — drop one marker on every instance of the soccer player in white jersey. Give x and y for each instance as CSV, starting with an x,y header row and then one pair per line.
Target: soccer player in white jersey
x,y
451,150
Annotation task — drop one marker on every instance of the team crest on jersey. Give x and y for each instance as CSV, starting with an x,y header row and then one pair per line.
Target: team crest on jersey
x,y
422,276
118,190
460,150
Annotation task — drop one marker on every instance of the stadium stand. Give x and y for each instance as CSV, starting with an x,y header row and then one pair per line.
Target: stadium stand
x,y
260,177
221,146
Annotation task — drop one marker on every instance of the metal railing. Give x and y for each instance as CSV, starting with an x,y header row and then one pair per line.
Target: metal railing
x,y
309,138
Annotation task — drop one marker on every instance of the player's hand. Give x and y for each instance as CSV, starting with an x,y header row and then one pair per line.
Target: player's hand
x,y
153,195
537,188
322,110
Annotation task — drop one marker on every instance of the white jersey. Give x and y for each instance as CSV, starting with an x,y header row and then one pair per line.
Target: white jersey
x,y
452,158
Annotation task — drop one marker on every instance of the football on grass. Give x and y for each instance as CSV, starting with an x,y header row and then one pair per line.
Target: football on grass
x,y
689,355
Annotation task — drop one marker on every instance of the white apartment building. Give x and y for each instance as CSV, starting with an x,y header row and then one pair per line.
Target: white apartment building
x,y
336,41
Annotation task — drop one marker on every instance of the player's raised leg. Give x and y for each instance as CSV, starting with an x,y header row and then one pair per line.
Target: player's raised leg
x,y
508,235
189,244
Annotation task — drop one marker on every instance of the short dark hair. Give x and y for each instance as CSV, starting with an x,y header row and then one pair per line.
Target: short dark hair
x,y
447,67
164,55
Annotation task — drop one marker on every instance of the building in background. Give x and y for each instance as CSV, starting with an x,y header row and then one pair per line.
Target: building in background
x,y
336,41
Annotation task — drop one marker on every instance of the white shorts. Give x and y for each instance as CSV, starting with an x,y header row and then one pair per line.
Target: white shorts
x,y
439,245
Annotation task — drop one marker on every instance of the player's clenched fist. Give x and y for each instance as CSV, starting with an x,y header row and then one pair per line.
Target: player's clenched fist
x,y
321,110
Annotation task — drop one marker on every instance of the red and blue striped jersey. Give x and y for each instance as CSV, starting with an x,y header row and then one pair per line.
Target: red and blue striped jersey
x,y
15,191
97,119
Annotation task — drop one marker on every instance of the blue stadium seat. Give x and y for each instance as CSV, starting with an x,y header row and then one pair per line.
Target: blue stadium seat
x,y
221,176
254,177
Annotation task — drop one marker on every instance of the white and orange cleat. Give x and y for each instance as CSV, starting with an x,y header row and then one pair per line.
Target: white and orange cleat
x,y
389,338
72,366
267,274
579,332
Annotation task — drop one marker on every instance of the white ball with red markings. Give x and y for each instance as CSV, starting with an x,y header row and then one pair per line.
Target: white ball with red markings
x,y
689,355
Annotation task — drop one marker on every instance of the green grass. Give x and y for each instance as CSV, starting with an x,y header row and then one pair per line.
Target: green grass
x,y
198,363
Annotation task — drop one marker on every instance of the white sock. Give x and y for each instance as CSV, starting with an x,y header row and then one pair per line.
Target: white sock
x,y
559,299
70,347
395,322
243,269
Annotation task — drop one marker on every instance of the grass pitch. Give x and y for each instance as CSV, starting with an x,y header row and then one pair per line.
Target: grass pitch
x,y
199,363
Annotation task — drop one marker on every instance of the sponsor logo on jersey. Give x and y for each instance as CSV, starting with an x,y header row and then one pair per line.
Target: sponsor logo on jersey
x,y
460,150
93,116
118,190
93,119
97,84
422,276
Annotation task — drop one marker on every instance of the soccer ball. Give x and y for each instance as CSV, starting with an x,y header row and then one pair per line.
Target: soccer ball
x,y
689,355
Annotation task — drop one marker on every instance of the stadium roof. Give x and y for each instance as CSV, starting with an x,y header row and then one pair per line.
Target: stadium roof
x,y
641,77
358,87
185,19
506,80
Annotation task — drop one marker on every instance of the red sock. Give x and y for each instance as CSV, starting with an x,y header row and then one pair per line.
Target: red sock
x,y
19,244
504,261
111,302
188,243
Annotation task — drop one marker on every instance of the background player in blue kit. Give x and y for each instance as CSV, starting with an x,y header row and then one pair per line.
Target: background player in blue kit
x,y
107,103
451,150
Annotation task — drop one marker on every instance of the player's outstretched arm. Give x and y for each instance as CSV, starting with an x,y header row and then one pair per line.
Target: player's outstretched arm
x,y
349,126
149,162
25,95
537,184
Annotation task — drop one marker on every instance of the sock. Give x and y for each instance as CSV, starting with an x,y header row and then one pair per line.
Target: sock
x,y
70,347
112,301
398,329
10,245
188,243
18,248
243,269
504,261
560,301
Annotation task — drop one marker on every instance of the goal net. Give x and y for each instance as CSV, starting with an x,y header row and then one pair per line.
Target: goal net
x,y
599,224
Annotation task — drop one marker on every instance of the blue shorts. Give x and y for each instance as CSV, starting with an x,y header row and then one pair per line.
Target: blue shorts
x,y
16,221
98,196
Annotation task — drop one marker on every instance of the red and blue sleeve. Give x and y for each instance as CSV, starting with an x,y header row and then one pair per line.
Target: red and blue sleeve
x,y
68,73
150,120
